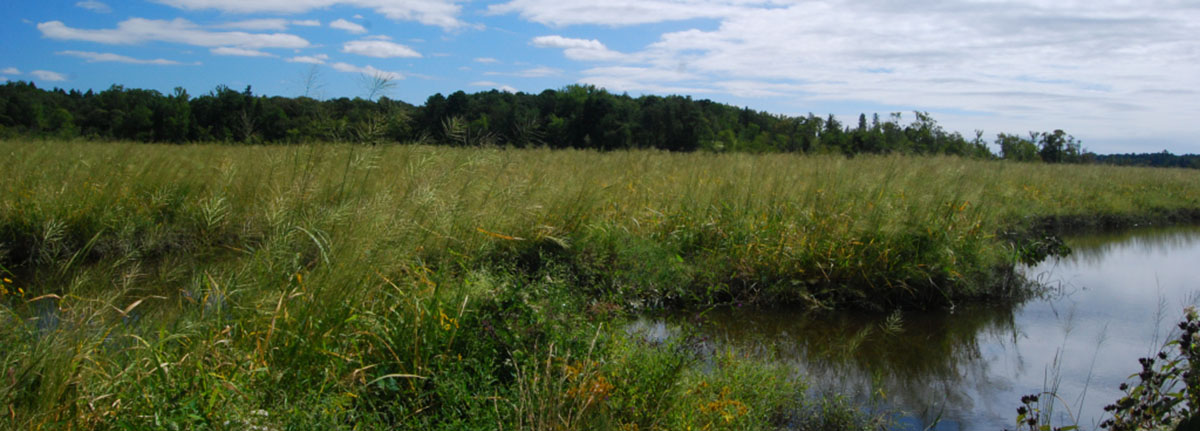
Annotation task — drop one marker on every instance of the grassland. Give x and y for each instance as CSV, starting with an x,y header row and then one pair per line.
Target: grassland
x,y
330,286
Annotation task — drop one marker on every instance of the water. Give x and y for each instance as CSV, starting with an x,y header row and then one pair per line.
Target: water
x,y
1115,299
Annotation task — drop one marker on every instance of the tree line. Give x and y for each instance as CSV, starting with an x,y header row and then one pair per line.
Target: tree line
x,y
577,116
1163,159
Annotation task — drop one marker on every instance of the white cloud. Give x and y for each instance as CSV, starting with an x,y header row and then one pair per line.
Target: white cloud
x,y
239,52
536,72
379,49
578,49
310,59
94,6
643,73
490,84
624,12
645,79
633,85
486,60
441,13
97,57
567,43
3,79
277,24
47,75
139,30
1094,68
754,89
307,23
11,71
366,70
351,27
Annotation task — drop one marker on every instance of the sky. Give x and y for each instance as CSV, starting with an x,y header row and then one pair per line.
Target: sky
x,y
1120,75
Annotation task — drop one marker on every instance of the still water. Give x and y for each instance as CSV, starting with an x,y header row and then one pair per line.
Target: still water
x,y
1114,299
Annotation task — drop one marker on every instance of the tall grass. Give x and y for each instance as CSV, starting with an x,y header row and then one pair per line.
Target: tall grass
x,y
417,287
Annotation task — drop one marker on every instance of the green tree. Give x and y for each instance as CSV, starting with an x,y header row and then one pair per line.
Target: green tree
x,y
1016,148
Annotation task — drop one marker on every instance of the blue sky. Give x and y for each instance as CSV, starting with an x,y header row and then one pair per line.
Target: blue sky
x,y
1122,76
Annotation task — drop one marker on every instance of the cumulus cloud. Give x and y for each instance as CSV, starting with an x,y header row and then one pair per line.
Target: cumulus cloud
x,y
307,23
94,6
366,70
140,30
1003,65
11,71
99,57
578,49
486,60
310,59
440,13
379,49
239,52
351,27
47,75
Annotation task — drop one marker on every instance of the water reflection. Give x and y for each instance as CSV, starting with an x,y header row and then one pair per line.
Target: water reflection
x,y
1118,295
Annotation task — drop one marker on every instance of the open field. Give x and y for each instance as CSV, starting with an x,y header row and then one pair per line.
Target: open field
x,y
333,286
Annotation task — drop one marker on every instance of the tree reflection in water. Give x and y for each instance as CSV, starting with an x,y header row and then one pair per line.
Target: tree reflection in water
x,y
968,368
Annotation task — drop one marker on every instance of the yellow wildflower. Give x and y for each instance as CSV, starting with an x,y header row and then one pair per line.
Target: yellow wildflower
x,y
447,321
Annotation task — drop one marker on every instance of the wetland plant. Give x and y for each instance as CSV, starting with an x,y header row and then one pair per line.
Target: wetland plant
x,y
1163,395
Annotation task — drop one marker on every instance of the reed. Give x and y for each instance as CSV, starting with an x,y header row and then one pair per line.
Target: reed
x,y
337,286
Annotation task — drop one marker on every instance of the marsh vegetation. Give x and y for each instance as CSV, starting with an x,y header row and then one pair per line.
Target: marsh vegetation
x,y
342,286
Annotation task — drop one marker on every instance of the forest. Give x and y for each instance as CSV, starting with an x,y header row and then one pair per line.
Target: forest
x,y
577,116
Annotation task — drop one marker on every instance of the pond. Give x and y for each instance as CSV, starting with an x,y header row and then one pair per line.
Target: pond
x,y
1114,299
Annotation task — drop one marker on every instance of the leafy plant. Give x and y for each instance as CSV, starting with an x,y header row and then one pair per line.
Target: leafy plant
x,y
1166,393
